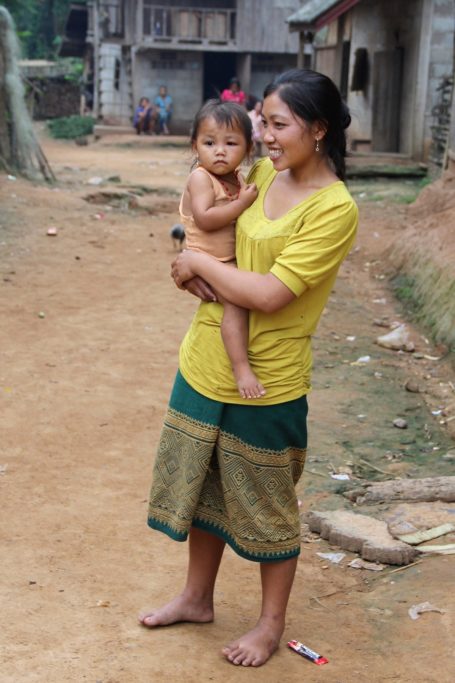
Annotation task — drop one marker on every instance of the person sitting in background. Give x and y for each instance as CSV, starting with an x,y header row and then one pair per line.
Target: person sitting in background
x,y
163,103
233,93
144,117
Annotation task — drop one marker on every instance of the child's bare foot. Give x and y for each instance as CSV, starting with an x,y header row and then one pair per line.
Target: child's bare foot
x,y
181,608
256,646
248,384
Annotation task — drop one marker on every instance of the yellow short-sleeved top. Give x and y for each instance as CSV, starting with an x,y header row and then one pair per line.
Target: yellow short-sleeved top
x,y
304,249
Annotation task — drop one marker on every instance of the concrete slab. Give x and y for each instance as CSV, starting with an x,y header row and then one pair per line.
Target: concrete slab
x,y
361,534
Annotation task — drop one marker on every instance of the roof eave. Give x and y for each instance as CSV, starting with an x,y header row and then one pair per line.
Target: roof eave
x,y
323,19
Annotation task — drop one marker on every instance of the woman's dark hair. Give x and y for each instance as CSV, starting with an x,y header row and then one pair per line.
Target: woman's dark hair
x,y
311,96
227,114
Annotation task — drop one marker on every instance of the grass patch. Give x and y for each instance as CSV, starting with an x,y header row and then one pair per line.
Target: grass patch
x,y
394,191
428,295
71,127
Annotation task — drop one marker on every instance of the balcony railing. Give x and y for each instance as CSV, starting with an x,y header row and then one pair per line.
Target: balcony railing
x,y
186,25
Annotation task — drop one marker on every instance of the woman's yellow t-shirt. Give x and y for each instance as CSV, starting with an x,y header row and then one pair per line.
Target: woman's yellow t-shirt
x,y
304,249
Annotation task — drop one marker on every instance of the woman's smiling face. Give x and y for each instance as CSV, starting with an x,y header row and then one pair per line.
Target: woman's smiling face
x,y
290,140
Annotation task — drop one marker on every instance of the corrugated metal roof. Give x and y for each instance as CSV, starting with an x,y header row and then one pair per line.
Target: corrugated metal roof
x,y
318,13
311,10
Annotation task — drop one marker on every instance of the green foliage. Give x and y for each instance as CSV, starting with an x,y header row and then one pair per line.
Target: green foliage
x,y
71,127
405,290
38,24
76,69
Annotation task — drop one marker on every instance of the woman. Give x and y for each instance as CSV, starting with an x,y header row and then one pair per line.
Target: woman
x,y
233,93
227,467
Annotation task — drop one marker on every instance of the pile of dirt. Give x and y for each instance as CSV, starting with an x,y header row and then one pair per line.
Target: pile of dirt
x,y
424,258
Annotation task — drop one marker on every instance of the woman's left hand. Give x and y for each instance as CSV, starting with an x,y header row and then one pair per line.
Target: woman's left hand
x,y
181,270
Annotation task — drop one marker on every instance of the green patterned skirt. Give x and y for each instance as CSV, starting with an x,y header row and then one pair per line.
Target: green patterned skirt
x,y
230,470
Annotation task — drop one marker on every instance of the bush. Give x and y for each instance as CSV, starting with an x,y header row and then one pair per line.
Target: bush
x,y
71,127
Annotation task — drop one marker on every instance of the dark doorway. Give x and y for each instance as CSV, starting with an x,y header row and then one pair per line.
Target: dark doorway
x,y
387,92
219,68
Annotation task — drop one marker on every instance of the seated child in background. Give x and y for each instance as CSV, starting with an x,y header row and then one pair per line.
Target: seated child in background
x,y
144,117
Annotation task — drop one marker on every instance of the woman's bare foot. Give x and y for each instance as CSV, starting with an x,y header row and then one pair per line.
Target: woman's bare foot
x,y
181,608
256,646
247,383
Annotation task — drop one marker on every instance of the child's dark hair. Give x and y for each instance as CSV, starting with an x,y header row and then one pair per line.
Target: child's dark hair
x,y
227,114
314,97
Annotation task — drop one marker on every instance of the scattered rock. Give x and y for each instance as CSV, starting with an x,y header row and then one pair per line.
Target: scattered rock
x,y
397,340
82,141
413,387
358,533
96,180
381,322
400,423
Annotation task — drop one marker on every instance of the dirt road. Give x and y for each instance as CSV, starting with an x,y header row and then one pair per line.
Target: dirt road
x,y
90,331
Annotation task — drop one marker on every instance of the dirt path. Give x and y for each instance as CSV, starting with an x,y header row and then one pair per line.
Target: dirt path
x,y
89,340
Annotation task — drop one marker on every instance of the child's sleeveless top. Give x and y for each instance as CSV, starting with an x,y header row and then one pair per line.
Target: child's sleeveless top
x,y
218,243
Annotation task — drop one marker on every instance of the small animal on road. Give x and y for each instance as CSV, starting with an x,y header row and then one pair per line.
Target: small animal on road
x,y
177,233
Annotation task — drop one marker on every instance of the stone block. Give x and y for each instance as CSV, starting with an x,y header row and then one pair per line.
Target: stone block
x,y
361,534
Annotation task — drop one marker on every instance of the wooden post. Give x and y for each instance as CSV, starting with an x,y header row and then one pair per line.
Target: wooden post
x,y
96,59
244,71
300,53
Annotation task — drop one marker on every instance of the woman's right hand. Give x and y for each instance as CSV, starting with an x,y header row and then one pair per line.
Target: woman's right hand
x,y
199,287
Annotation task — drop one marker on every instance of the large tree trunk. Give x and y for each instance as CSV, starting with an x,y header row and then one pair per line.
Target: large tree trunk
x,y
19,148
5,148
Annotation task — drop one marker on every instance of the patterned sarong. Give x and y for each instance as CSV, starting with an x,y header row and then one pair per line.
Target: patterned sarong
x,y
230,470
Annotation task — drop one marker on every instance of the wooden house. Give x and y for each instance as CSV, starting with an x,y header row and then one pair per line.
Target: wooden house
x,y
393,61
194,47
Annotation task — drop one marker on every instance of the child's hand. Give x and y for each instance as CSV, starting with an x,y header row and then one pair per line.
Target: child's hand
x,y
247,193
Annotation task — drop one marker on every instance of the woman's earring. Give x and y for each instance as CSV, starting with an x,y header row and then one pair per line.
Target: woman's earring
x,y
317,145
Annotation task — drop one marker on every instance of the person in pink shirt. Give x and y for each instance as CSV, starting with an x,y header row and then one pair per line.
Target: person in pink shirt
x,y
233,93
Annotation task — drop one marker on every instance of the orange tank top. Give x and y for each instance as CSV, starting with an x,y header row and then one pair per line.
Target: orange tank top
x,y
218,243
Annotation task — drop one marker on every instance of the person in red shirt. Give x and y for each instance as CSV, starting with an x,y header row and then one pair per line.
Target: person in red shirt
x,y
233,93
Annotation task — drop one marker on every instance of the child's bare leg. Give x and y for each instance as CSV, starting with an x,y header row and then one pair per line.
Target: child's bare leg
x,y
195,603
234,330
255,647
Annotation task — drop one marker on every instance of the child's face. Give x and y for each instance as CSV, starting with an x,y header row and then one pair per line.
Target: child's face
x,y
220,149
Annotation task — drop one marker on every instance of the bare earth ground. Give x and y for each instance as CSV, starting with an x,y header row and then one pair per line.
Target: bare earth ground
x,y
83,391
